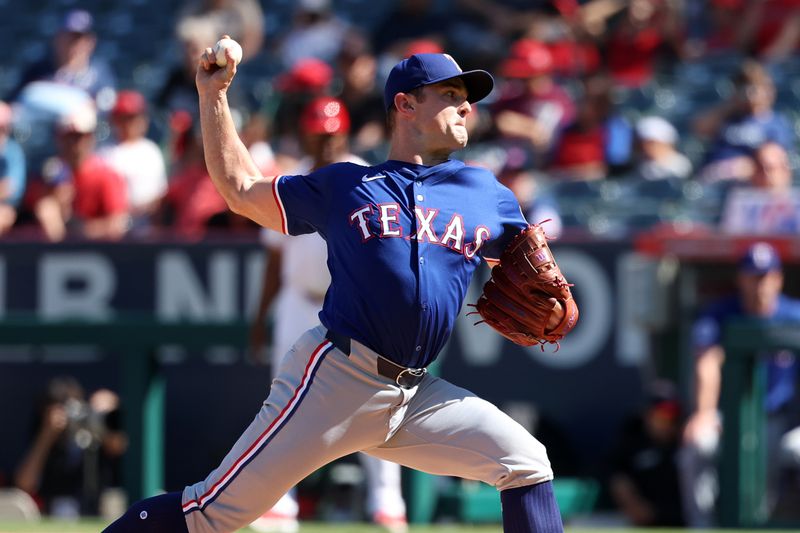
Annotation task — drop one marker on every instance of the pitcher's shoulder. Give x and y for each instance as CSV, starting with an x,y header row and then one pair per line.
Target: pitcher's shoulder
x,y
477,173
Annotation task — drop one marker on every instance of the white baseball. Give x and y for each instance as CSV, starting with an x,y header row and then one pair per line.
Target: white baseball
x,y
227,44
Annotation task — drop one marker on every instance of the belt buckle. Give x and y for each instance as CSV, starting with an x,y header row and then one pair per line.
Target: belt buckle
x,y
415,373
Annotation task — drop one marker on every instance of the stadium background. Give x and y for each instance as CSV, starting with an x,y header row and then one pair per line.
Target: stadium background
x,y
642,256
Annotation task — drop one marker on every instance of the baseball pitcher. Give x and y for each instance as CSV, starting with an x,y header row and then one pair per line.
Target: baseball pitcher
x,y
404,239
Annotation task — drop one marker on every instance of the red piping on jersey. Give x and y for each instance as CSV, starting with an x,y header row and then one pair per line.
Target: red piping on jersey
x,y
198,502
279,203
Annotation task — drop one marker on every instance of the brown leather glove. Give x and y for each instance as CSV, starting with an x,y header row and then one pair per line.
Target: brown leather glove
x,y
527,293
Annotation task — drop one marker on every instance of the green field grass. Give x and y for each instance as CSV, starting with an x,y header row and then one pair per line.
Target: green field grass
x,y
311,527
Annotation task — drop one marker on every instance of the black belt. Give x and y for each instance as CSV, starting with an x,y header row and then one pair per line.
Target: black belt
x,y
405,377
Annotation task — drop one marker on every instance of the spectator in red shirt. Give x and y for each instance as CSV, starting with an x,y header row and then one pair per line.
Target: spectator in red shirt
x,y
136,158
192,201
85,196
598,142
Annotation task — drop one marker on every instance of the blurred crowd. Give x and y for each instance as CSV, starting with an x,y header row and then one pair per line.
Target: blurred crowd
x,y
608,117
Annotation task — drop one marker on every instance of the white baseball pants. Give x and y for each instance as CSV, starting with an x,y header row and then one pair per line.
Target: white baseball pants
x,y
324,405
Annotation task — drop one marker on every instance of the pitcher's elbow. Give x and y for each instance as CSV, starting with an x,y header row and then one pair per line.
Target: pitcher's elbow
x,y
235,203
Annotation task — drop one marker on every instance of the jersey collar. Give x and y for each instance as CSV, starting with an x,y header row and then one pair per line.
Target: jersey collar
x,y
431,174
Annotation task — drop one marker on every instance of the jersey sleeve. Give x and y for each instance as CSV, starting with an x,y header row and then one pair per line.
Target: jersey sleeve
x,y
303,201
706,332
511,219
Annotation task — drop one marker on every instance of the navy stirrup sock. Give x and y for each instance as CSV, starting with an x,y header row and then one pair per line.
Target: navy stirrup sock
x,y
159,514
531,509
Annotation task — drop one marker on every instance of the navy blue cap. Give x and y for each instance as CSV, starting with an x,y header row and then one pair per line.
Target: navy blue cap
x,y
760,258
426,69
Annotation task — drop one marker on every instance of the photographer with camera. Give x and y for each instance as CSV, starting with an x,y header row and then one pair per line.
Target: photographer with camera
x,y
75,449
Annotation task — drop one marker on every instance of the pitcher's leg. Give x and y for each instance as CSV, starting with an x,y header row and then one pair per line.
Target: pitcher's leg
x,y
265,462
298,429
282,517
449,431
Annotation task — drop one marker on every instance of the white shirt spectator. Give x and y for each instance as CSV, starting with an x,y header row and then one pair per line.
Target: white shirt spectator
x,y
141,163
659,157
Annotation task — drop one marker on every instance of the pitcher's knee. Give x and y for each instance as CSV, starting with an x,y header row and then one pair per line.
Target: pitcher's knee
x,y
527,465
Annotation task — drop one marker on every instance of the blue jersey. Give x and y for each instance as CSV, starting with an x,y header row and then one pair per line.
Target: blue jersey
x,y
782,366
403,243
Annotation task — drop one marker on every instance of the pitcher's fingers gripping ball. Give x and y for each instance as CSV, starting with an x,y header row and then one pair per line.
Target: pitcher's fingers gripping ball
x,y
527,299
211,76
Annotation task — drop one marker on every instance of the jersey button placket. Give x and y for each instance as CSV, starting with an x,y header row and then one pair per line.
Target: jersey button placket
x,y
423,304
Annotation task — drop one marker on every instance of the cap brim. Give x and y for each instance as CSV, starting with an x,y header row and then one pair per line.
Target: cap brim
x,y
478,83
758,271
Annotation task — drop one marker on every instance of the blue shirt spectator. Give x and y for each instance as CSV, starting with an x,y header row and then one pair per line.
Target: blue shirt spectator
x,y
12,171
781,366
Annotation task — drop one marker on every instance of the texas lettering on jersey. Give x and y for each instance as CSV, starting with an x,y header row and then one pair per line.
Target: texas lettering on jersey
x,y
382,220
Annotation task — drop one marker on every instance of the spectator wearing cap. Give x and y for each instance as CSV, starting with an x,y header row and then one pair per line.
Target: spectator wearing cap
x,y
659,158
72,61
85,197
741,124
12,171
768,204
308,79
325,125
137,158
758,297
532,105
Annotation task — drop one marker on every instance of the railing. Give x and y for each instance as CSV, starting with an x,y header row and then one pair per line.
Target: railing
x,y
743,478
